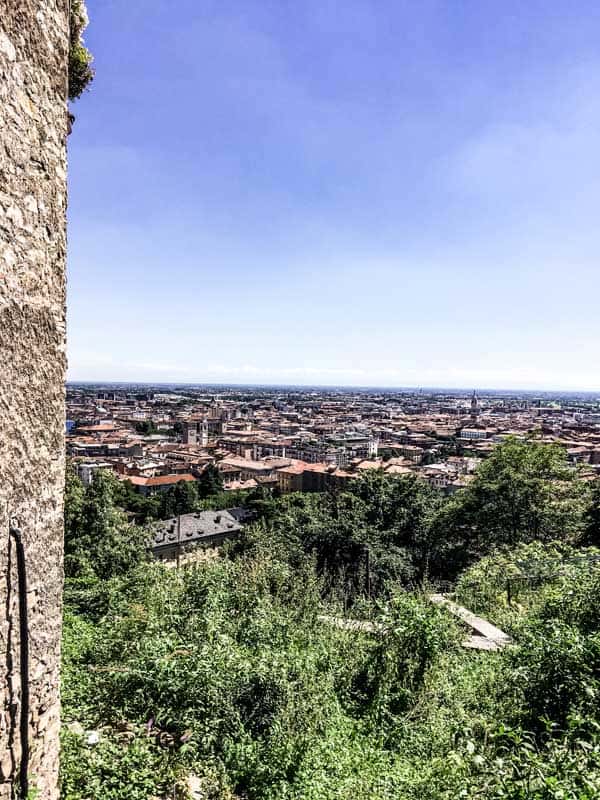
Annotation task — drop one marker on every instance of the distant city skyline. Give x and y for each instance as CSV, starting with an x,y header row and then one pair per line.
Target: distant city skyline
x,y
362,194
461,391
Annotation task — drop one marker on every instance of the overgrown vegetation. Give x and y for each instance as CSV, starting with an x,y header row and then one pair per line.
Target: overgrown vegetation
x,y
81,73
225,675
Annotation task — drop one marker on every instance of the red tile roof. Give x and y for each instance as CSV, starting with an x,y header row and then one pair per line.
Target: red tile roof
x,y
160,480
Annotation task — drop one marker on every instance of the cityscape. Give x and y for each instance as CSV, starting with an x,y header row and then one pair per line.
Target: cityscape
x,y
291,439
273,441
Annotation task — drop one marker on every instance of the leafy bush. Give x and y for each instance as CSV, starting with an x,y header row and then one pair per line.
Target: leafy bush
x,y
556,670
414,634
510,581
129,765
516,766
81,73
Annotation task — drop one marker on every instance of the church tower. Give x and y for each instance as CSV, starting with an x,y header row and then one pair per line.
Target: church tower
x,y
474,407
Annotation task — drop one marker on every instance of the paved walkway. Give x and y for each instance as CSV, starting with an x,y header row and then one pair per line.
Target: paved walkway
x,y
485,636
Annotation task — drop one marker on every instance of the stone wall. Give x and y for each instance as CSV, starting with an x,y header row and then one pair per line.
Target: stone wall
x,y
33,129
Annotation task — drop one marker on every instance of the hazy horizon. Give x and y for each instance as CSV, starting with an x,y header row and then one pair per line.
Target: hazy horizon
x,y
482,390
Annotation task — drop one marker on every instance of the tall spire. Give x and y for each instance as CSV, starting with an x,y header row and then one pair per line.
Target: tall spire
x,y
474,405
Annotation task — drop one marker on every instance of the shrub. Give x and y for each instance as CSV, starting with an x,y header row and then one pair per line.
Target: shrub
x,y
81,73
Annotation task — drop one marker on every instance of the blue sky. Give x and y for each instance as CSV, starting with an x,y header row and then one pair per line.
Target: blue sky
x,y
360,192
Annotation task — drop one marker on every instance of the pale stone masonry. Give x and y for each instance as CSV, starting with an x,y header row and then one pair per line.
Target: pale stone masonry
x,y
33,130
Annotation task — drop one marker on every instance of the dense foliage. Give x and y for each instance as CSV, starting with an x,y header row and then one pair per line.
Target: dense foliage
x,y
81,73
146,427
233,677
210,481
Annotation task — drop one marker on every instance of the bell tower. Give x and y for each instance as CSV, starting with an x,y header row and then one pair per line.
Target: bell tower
x,y
474,407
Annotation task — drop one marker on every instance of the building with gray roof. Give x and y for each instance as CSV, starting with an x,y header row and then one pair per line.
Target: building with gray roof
x,y
177,535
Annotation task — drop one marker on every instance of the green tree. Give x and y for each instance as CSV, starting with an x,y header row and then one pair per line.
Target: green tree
x,y
592,517
142,507
400,513
167,503
146,427
73,508
102,542
210,481
185,496
179,499
524,491
364,540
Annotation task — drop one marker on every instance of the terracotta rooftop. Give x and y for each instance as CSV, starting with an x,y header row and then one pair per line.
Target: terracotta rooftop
x,y
160,480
